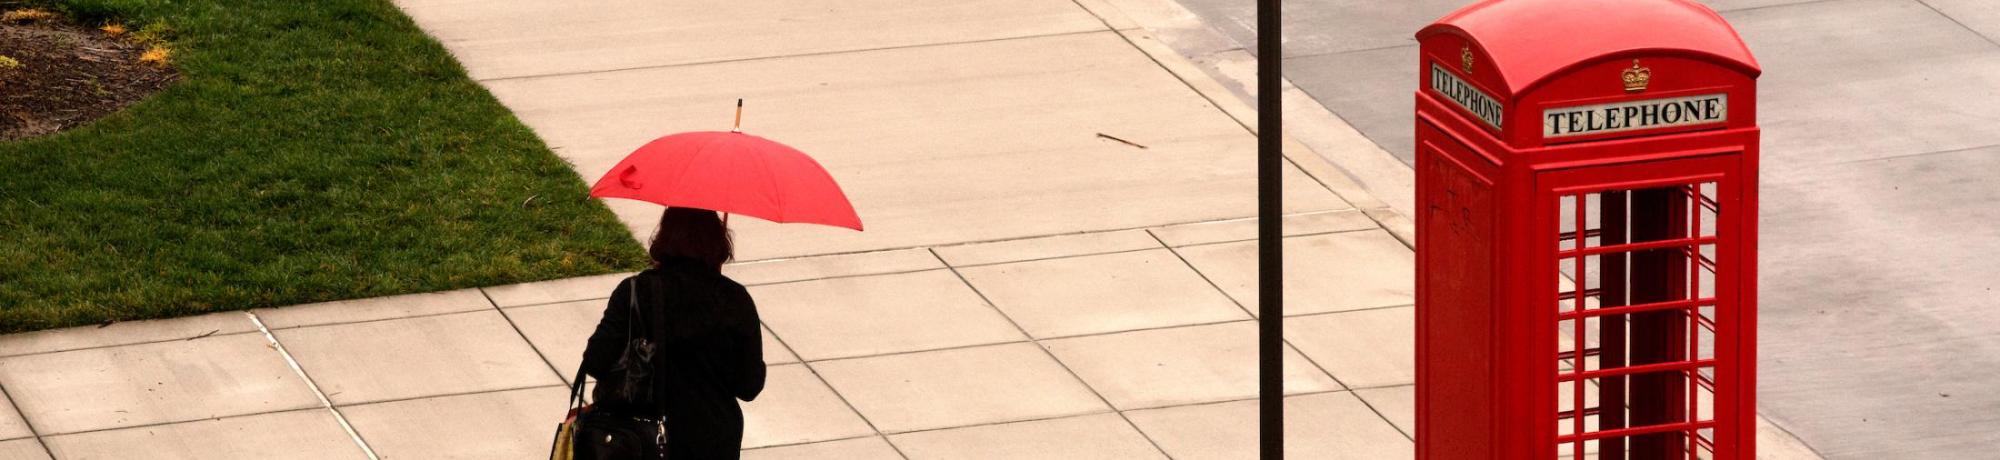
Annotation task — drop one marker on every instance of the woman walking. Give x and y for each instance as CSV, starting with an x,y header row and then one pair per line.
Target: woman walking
x,y
704,344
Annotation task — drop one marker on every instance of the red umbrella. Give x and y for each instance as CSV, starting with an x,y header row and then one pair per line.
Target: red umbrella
x,y
730,172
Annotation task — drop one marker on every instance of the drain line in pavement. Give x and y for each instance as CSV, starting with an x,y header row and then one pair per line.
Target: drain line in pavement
x,y
323,401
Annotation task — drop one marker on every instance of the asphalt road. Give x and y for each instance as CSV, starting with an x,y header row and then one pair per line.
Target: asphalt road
x,y
1879,327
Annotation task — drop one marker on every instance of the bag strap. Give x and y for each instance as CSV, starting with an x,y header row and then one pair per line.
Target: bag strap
x,y
632,304
576,393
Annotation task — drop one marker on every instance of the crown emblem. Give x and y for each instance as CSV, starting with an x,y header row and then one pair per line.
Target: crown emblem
x,y
1637,77
1465,59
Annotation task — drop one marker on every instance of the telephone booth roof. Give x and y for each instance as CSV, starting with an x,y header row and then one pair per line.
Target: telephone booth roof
x,y
1530,41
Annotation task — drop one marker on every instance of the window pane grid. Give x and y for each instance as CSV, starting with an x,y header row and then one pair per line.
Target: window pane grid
x,y
1614,302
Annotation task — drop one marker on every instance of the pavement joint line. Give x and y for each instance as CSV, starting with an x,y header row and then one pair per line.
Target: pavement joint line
x,y
1212,102
370,320
176,422
917,351
1350,207
1913,155
32,432
364,321
1328,53
807,443
450,395
1780,5
1378,412
524,337
559,302
1294,348
1086,253
1378,226
1061,257
149,342
1183,79
799,55
1045,349
1789,434
1235,400
1010,421
1083,414
323,401
1955,21
836,277
831,389
1092,334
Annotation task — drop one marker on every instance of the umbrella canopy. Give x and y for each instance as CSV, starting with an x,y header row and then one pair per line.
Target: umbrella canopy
x,y
730,172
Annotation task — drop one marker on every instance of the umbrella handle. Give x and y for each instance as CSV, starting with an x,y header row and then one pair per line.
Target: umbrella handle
x,y
739,117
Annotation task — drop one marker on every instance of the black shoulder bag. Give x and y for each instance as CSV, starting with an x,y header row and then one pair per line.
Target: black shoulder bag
x,y
603,435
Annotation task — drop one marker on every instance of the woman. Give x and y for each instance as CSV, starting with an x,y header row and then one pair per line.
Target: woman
x,y
708,346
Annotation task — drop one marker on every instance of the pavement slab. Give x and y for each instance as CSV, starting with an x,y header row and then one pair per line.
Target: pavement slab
x,y
1937,77
1088,437
1204,363
1048,247
131,385
302,434
1102,293
378,308
559,332
1877,347
516,38
959,387
124,333
871,315
868,448
23,449
492,425
871,118
416,357
797,407
12,426
1323,273
1318,426
1368,348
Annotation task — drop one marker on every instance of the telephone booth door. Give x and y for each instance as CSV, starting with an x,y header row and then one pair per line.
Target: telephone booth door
x,y
1641,273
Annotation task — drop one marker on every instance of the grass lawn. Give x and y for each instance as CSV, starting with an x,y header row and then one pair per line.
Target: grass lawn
x,y
313,150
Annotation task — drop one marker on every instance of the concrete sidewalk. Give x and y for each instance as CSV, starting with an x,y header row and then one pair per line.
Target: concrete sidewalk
x,y
1027,288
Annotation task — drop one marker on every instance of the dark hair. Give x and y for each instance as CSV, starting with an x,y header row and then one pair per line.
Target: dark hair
x,y
694,234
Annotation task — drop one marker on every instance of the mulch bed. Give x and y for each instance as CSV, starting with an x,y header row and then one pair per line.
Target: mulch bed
x,y
69,75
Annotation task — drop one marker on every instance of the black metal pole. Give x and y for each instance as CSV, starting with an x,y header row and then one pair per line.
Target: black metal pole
x,y
1270,242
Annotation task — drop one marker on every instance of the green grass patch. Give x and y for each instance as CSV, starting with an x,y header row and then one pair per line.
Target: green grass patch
x,y
313,151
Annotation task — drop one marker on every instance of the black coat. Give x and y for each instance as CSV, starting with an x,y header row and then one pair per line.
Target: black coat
x,y
710,354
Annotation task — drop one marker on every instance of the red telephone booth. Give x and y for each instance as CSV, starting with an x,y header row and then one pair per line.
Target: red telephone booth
x,y
1586,278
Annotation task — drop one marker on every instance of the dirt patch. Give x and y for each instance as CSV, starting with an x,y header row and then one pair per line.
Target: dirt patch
x,y
62,76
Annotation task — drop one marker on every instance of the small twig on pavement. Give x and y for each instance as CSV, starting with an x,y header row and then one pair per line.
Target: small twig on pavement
x,y
205,334
1121,141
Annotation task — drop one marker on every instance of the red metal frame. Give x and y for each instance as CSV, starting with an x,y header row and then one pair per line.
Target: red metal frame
x,y
1654,341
